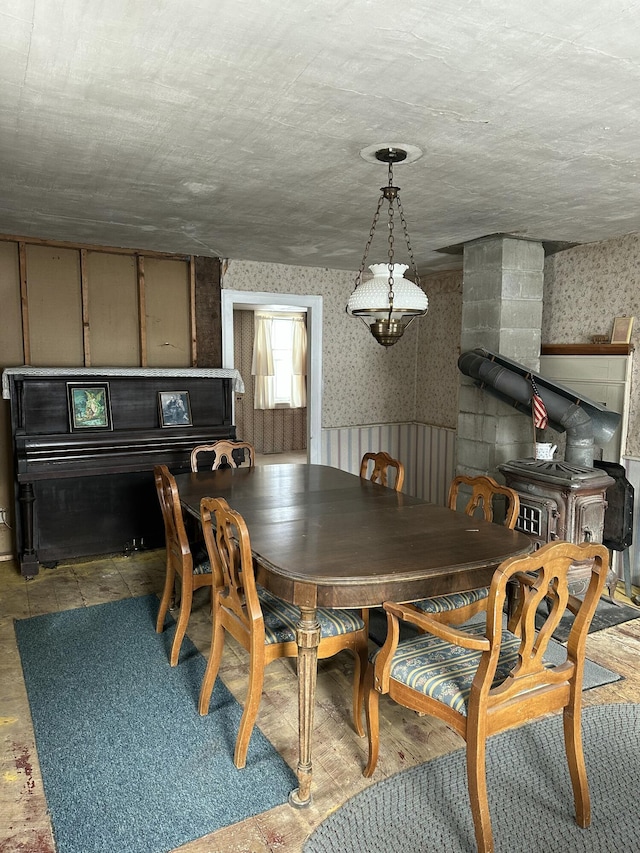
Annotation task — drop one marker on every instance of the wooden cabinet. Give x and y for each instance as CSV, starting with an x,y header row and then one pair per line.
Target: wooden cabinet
x,y
90,490
598,372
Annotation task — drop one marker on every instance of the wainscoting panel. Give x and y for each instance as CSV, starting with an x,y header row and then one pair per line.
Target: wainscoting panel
x,y
427,452
435,462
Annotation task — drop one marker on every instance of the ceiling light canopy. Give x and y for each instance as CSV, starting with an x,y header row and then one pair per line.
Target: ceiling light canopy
x,y
388,302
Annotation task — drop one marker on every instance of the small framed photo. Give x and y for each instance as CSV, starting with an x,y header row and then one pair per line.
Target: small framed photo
x,y
622,327
89,405
174,409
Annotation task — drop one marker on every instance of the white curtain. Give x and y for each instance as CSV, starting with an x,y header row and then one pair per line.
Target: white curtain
x,y
262,363
299,360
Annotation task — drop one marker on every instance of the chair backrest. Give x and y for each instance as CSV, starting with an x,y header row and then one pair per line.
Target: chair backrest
x,y
484,491
226,454
177,542
382,462
229,548
543,574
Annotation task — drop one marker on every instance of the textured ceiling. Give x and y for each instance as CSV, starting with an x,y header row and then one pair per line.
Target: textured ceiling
x,y
234,128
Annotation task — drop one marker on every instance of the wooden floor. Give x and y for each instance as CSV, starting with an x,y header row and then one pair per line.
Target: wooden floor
x,y
338,753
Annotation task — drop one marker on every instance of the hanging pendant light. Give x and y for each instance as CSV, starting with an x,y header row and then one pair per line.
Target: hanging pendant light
x,y
388,302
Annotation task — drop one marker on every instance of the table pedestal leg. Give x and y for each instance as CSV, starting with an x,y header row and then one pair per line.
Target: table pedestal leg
x,y
308,639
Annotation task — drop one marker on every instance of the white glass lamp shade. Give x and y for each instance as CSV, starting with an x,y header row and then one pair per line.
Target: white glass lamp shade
x,y
371,298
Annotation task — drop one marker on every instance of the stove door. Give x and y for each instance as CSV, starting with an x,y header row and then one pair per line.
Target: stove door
x,y
589,518
538,518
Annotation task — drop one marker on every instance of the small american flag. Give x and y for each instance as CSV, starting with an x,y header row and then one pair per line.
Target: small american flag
x,y
540,416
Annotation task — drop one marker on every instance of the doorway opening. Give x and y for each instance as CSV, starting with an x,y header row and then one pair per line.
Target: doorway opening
x,y
237,300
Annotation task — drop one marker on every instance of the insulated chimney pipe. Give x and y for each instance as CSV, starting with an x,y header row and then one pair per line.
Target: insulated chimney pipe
x,y
582,419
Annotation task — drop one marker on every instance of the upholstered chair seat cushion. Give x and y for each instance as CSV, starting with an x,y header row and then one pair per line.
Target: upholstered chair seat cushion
x,y
281,619
201,564
444,671
447,603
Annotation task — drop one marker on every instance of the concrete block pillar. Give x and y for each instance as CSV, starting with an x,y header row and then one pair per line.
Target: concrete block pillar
x,y
502,288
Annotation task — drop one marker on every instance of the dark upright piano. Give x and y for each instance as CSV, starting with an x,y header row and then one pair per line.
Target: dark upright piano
x,y
82,490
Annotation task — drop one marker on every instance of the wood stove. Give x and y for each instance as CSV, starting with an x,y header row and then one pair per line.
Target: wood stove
x,y
560,500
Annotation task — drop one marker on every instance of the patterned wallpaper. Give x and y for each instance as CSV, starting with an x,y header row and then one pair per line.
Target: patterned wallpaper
x,y
438,350
363,382
418,379
584,289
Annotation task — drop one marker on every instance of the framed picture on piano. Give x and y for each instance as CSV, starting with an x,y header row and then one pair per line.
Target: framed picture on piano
x,y
174,409
89,406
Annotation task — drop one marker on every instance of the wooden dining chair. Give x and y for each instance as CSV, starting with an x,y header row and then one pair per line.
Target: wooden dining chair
x,y
382,464
180,562
262,623
458,607
485,491
487,679
226,454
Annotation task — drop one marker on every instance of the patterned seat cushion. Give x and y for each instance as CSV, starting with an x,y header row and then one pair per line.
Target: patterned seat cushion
x,y
201,564
281,619
446,603
203,568
445,671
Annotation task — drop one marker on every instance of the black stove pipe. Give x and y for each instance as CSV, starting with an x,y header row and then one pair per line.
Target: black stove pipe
x,y
581,419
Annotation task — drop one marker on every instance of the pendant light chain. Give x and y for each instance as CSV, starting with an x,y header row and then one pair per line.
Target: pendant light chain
x,y
391,195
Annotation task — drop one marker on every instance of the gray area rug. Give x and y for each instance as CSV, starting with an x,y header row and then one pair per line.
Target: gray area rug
x,y
594,675
608,613
426,809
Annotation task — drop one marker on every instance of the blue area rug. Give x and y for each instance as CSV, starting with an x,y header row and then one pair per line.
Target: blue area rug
x,y
127,763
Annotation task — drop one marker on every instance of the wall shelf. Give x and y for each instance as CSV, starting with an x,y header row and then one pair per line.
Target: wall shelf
x,y
586,349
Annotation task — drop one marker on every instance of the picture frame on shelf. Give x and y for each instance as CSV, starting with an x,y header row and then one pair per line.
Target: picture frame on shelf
x,y
174,409
89,406
621,333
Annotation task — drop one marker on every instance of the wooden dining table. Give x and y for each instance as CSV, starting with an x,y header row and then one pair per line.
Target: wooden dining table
x,y
322,537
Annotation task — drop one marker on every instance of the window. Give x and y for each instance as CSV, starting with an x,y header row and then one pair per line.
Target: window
x,y
279,361
282,348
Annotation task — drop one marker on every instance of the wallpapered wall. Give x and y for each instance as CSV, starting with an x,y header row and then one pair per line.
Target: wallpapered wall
x,y
363,382
584,289
438,377
417,380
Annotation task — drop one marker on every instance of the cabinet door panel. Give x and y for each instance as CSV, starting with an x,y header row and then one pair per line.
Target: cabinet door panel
x,y
605,379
